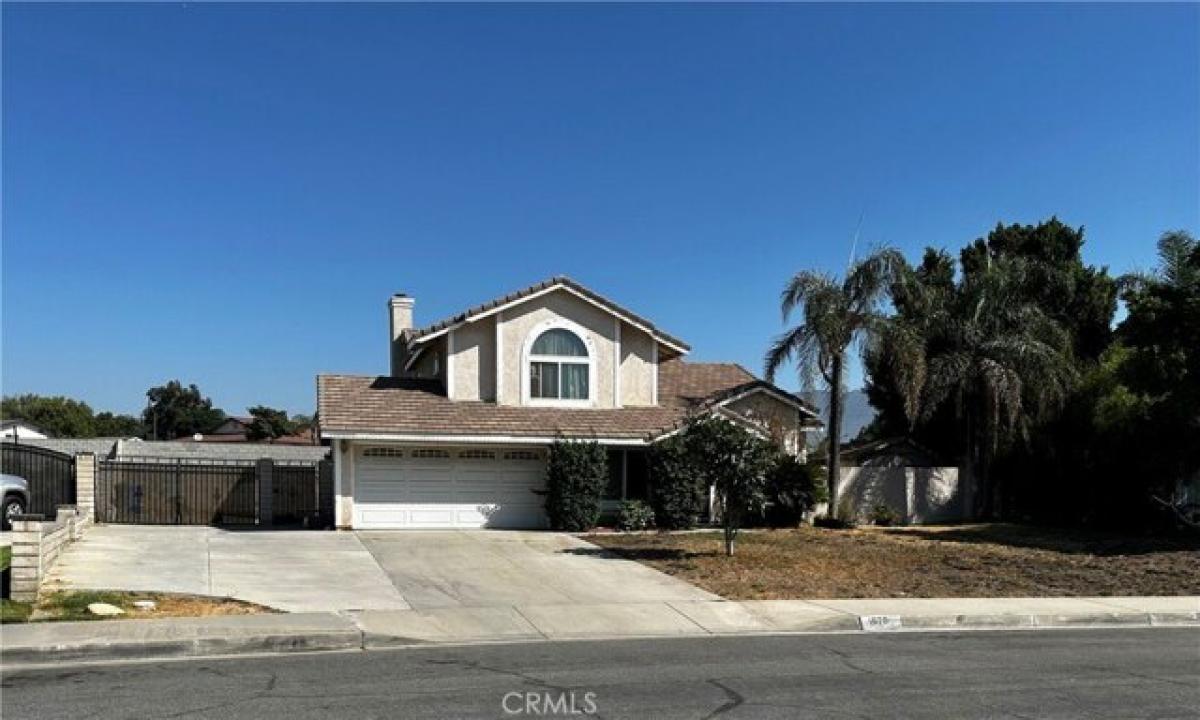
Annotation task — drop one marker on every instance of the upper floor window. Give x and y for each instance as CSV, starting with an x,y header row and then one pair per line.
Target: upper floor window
x,y
558,367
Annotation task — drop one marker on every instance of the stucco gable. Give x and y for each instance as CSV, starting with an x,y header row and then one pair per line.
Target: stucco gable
x,y
511,301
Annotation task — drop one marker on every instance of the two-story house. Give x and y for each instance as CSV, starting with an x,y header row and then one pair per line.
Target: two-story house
x,y
456,436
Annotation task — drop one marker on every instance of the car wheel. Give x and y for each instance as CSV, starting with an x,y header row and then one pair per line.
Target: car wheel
x,y
13,506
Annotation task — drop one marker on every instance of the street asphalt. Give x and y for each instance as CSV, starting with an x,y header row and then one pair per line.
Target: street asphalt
x,y
1126,673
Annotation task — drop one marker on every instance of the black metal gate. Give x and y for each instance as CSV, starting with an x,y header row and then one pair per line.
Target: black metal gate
x,y
172,492
295,493
168,491
51,475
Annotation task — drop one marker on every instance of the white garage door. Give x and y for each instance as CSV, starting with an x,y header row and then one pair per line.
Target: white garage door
x,y
448,488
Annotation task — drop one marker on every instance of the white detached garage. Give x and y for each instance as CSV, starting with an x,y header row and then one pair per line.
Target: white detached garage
x,y
448,488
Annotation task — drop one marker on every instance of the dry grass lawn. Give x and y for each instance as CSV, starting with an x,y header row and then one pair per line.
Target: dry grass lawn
x,y
72,605
951,561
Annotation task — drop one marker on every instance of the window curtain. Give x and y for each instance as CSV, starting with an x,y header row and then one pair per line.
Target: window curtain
x,y
559,342
574,381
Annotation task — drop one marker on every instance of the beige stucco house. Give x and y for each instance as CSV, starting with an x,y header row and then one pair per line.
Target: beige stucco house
x,y
456,435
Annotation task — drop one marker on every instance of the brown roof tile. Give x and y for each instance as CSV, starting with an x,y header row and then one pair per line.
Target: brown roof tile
x,y
385,405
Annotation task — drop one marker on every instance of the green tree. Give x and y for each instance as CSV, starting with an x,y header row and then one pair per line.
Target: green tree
x,y
176,411
269,424
983,354
835,318
1162,332
734,463
124,426
1080,297
57,416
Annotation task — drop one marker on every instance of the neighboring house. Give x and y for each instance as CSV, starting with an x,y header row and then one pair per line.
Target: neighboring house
x,y
20,430
134,448
236,430
100,447
457,434
231,427
905,477
217,452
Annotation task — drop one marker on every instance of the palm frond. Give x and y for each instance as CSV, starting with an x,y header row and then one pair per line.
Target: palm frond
x,y
869,280
802,289
797,345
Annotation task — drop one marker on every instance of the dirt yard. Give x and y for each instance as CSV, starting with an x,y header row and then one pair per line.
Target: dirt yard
x,y
953,561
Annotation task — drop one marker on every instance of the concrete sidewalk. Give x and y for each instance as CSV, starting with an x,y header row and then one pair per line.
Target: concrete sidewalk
x,y
40,643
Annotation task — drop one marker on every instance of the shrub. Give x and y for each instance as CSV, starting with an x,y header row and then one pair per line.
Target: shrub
x,y
832,523
575,480
793,489
677,491
635,515
884,516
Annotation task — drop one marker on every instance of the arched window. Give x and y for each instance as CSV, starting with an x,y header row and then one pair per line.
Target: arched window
x,y
558,367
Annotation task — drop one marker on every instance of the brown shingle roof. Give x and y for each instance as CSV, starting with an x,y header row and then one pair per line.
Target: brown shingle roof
x,y
386,405
419,333
419,407
686,384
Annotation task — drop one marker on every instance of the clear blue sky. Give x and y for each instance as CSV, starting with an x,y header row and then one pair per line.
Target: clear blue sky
x,y
228,194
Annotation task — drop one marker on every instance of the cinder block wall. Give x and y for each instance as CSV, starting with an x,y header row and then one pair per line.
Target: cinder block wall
x,y
36,545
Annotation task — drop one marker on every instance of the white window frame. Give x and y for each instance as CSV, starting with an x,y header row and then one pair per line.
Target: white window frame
x,y
527,357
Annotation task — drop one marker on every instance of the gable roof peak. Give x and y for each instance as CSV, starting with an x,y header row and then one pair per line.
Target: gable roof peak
x,y
429,332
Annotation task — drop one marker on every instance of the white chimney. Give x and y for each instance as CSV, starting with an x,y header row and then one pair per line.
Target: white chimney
x,y
400,317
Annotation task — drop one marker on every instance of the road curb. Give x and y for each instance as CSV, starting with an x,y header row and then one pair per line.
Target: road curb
x,y
900,623
114,640
340,633
200,647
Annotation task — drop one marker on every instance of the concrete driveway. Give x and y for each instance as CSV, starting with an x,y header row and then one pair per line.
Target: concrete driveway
x,y
293,570
485,568
313,571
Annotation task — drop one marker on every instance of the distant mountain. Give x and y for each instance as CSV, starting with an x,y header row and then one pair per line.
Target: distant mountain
x,y
857,413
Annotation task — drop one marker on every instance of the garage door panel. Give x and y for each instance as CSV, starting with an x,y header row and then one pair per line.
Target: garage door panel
x,y
482,490
381,516
431,516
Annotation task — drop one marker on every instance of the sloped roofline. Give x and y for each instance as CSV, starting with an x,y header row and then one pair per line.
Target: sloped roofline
x,y
756,386
560,282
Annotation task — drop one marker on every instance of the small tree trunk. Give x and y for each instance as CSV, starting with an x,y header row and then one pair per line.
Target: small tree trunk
x,y
727,524
835,433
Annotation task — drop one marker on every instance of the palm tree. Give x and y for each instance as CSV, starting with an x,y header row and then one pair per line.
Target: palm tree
x,y
986,352
834,317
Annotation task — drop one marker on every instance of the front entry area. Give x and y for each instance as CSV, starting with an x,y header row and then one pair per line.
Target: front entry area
x,y
402,487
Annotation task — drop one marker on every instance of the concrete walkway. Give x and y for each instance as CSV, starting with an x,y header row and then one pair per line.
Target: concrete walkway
x,y
123,639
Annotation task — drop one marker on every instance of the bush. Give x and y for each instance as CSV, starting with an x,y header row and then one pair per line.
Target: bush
x,y
575,480
793,489
832,523
635,515
677,492
884,516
